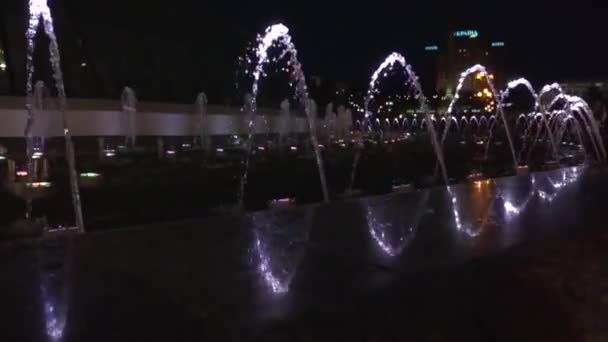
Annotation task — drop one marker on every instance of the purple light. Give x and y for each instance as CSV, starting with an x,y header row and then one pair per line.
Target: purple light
x,y
21,173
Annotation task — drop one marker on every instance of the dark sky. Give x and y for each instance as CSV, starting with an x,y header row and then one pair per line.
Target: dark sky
x,y
344,40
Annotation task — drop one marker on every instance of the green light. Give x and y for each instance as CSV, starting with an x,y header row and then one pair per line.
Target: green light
x,y
431,48
498,44
466,33
89,175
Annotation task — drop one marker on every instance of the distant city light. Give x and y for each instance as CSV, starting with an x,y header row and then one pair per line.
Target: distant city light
x,y
170,152
3,66
2,158
498,44
431,48
186,145
21,173
219,150
293,148
466,33
83,64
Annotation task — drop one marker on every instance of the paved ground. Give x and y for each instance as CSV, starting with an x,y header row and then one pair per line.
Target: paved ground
x,y
516,259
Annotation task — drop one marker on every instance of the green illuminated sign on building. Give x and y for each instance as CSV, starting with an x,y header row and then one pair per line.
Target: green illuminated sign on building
x,y
466,33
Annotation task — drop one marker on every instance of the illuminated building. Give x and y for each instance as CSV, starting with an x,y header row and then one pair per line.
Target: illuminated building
x,y
463,49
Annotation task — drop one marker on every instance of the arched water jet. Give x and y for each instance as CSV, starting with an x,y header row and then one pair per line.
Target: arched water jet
x,y
279,33
389,63
522,82
40,13
463,77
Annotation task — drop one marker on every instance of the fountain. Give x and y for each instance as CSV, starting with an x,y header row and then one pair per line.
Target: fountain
x,y
479,69
129,109
522,82
40,13
389,63
279,34
200,107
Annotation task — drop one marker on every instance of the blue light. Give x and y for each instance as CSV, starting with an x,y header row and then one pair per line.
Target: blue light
x,y
466,33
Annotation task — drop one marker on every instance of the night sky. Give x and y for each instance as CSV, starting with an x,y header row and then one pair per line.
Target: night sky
x,y
198,42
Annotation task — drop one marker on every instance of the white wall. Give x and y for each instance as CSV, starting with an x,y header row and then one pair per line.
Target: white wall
x,y
85,120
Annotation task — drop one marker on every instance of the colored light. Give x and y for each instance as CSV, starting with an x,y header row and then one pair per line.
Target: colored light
x,y
21,173
293,148
171,152
90,175
36,185
498,44
466,33
431,48
219,150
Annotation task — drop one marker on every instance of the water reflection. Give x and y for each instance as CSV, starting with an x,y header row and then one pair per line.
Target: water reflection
x,y
393,221
53,267
549,186
280,238
480,207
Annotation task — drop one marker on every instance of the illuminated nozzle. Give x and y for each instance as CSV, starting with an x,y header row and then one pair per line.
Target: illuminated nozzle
x,y
89,175
522,169
109,153
282,202
475,176
37,185
403,188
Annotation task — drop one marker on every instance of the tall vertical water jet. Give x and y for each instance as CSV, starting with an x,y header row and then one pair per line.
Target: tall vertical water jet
x,y
463,77
279,34
40,11
200,106
389,63
129,109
